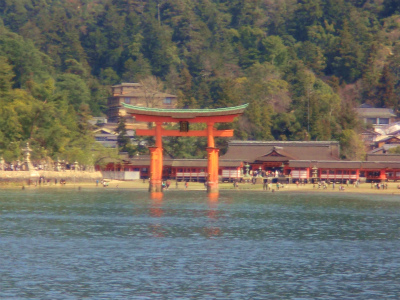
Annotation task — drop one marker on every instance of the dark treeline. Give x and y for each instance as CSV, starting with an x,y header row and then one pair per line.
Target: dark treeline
x,y
302,65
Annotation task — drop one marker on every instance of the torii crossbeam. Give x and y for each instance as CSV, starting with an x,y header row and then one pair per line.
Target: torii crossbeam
x,y
184,117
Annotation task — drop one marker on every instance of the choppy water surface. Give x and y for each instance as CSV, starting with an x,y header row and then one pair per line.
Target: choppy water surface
x,y
115,244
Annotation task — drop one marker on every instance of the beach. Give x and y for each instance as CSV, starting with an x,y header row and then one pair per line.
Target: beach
x,y
364,188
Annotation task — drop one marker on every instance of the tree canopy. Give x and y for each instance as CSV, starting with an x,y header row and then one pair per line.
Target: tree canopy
x,y
291,60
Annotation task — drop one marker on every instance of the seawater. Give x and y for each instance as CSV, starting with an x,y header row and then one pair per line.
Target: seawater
x,y
120,244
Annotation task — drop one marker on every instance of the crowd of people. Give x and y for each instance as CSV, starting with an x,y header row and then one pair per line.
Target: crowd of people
x,y
379,186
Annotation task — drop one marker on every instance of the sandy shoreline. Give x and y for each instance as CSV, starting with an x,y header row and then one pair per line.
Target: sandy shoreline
x,y
139,184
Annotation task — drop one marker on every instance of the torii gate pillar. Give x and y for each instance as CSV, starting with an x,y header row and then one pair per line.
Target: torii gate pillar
x,y
156,161
212,164
155,169
212,160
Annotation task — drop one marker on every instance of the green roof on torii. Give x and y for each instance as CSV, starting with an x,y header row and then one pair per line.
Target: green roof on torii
x,y
184,113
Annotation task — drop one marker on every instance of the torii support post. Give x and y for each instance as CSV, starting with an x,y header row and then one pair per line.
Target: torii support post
x,y
212,161
156,162
156,158
212,164
208,116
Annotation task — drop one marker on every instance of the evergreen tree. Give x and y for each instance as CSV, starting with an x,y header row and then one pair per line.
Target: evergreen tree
x,y
122,140
386,96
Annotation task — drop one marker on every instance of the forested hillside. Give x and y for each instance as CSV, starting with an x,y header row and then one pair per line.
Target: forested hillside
x,y
303,65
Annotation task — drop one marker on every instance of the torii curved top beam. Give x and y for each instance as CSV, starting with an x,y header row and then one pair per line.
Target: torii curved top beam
x,y
147,114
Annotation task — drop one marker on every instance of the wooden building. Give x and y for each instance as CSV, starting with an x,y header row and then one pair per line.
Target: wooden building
x,y
386,142
179,169
283,161
376,116
138,95
274,155
391,163
336,171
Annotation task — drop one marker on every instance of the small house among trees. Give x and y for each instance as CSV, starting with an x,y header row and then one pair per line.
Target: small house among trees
x,y
146,93
376,116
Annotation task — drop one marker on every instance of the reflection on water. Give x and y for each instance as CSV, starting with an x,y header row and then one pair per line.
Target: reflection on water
x,y
126,245
212,213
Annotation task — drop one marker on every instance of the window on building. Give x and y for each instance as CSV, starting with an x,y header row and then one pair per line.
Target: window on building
x,y
127,100
167,101
383,121
371,120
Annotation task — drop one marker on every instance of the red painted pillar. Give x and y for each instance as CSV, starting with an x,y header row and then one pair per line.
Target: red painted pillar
x,y
382,176
212,161
212,157
159,146
156,162
210,135
155,170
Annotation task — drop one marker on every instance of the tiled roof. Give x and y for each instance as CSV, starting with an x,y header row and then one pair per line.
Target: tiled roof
x,y
384,148
142,94
250,151
375,112
203,163
325,164
144,160
189,163
362,165
126,84
384,157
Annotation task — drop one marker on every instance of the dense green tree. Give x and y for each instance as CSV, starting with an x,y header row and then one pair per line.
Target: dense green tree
x,y
308,13
386,96
123,141
75,89
303,65
6,76
352,146
348,60
390,7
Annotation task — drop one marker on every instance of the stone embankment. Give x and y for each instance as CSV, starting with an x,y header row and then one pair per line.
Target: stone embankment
x,y
33,177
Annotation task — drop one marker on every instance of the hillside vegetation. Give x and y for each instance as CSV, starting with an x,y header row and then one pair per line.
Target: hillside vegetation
x,y
303,66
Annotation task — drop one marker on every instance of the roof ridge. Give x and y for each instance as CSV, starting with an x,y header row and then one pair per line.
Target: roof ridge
x,y
184,110
277,143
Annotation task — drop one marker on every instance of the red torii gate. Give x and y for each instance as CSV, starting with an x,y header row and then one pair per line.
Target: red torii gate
x,y
184,117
